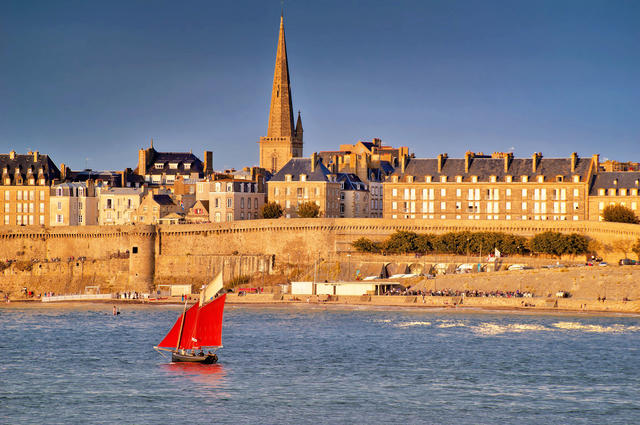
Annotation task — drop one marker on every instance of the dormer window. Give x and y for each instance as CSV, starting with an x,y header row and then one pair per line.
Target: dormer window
x,y
410,179
173,165
394,179
576,179
427,179
474,179
158,166
187,166
509,179
59,191
459,179
540,179
443,179
288,177
303,177
559,178
524,179
492,179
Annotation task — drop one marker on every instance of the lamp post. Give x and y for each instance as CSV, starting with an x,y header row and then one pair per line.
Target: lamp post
x,y
349,269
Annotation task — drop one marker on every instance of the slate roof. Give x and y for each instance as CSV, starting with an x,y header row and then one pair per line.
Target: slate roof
x,y
181,158
486,167
297,166
607,180
24,163
351,182
163,199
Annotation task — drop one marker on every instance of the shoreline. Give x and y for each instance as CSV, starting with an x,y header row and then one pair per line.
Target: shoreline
x,y
445,304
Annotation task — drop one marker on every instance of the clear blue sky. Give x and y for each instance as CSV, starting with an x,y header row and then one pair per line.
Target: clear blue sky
x,y
97,80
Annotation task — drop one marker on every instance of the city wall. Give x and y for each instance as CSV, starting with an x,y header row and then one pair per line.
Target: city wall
x,y
155,255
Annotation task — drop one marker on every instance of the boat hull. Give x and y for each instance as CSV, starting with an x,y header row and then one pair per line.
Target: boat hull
x,y
189,358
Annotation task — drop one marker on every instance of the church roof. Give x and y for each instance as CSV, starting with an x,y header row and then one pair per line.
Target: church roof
x,y
281,111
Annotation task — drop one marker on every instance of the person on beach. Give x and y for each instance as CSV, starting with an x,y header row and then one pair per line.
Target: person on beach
x,y
115,310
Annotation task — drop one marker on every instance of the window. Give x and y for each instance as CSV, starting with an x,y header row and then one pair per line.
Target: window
x,y
32,195
299,192
19,196
394,192
229,216
19,208
242,203
443,193
255,203
158,166
109,203
59,218
229,204
7,208
80,218
508,192
6,195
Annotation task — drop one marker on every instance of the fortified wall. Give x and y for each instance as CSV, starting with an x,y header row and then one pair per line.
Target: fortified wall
x,y
139,257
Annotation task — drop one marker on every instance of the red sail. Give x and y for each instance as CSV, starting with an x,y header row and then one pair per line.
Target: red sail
x,y
171,340
208,330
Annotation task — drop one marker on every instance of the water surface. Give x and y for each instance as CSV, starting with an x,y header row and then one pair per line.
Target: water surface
x,y
306,365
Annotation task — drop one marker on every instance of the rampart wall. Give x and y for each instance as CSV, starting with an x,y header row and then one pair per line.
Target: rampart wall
x,y
180,253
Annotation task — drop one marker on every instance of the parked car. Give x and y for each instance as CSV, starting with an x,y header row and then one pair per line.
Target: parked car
x,y
627,262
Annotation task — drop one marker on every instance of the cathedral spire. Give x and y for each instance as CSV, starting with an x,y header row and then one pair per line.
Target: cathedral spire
x,y
281,111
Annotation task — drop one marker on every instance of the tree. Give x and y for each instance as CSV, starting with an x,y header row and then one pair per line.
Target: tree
x,y
271,210
636,248
366,245
401,242
623,245
308,210
619,214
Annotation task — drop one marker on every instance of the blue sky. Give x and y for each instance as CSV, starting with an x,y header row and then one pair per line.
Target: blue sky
x,y
91,82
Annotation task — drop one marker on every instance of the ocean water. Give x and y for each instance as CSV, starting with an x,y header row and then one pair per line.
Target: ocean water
x,y
312,365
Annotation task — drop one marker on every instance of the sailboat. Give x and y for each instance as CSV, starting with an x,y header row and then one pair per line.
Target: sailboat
x,y
197,333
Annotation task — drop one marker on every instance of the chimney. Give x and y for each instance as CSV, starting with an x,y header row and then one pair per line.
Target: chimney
x,y
314,159
142,161
574,161
467,161
208,162
12,155
35,156
63,172
440,163
596,160
534,161
507,161
403,163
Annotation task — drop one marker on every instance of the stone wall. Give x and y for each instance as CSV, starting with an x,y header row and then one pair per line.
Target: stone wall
x,y
179,253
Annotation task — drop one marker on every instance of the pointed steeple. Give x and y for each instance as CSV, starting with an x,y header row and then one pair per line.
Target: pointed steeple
x,y
299,129
281,112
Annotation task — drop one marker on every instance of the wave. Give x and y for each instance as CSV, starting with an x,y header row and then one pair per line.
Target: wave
x,y
496,329
450,324
575,326
410,324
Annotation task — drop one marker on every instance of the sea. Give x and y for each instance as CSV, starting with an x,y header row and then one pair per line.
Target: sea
x,y
312,364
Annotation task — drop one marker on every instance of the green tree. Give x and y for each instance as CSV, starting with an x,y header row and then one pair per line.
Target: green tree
x,y
271,210
365,245
308,210
401,242
426,243
619,214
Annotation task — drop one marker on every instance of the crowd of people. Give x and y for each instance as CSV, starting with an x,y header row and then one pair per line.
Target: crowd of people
x,y
447,292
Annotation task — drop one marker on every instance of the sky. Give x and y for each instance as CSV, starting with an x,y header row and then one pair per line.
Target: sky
x,y
90,83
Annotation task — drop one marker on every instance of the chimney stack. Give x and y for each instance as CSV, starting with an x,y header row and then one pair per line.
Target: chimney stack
x,y
467,161
35,156
574,162
314,159
440,163
63,172
596,160
12,155
403,163
208,162
534,161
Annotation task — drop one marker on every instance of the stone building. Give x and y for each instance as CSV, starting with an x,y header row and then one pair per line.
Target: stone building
x,y
614,188
283,140
232,200
490,187
73,204
154,208
24,188
164,168
118,205
199,212
354,196
305,180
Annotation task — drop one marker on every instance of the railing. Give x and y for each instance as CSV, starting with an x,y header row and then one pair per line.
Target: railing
x,y
84,297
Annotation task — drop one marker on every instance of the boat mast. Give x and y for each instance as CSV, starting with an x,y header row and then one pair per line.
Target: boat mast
x,y
184,313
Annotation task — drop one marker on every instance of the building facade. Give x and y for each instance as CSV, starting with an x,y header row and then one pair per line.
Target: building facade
x,y
73,204
490,187
283,140
305,180
614,188
24,188
154,208
118,205
232,200
164,168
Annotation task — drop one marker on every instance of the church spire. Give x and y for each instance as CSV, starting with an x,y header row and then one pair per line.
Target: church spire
x,y
281,112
